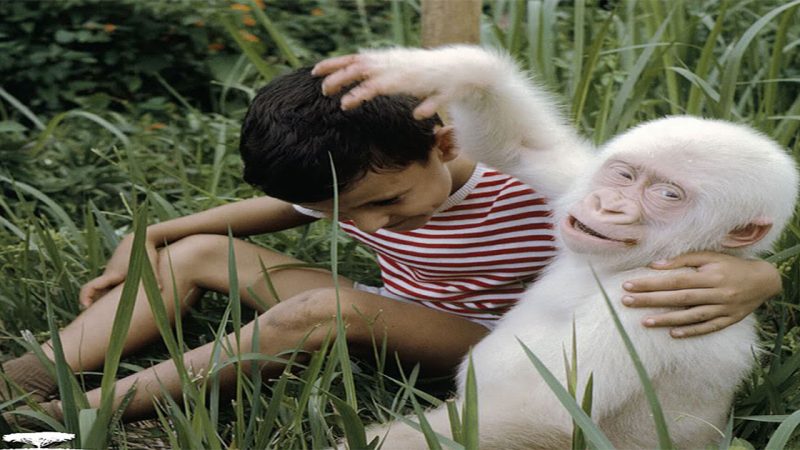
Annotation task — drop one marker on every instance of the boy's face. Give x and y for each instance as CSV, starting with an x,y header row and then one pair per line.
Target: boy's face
x,y
398,200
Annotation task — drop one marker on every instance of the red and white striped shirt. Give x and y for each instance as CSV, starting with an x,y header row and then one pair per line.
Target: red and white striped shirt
x,y
475,256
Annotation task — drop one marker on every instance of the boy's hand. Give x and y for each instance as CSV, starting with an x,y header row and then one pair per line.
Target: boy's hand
x,y
722,291
116,271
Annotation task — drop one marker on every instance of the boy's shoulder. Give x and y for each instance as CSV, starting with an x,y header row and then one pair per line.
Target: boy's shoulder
x,y
491,185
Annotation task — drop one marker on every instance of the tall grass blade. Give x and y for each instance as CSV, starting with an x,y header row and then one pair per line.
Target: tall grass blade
x,y
261,65
784,254
353,427
582,91
341,340
776,59
56,211
273,408
456,429
122,319
67,386
431,437
255,395
626,90
785,431
93,251
402,33
725,443
698,82
310,375
590,430
469,419
277,36
577,75
730,74
110,237
63,275
161,318
53,124
704,63
215,363
12,228
361,7
656,13
514,36
21,108
234,297
664,441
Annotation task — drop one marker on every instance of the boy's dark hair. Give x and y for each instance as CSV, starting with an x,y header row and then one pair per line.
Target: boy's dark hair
x,y
291,127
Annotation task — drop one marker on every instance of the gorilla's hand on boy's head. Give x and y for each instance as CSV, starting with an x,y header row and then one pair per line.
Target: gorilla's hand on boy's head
x,y
370,76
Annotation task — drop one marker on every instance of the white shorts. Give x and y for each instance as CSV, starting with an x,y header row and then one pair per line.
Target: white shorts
x,y
383,292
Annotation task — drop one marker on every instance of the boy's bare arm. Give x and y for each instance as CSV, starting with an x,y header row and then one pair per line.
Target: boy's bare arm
x,y
721,291
244,218
500,117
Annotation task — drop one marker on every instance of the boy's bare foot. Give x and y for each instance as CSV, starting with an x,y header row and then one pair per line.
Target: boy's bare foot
x,y
30,376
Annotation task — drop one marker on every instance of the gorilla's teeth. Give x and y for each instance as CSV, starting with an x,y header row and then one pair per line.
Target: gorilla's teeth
x,y
580,226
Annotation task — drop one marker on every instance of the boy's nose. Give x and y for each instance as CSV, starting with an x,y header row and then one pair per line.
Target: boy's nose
x,y
370,222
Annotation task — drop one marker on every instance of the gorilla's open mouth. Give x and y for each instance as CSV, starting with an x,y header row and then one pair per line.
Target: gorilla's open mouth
x,y
580,226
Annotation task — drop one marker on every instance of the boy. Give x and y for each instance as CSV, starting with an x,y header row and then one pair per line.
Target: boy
x,y
456,242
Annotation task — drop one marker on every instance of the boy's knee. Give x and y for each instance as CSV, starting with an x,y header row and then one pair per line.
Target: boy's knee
x,y
193,250
304,311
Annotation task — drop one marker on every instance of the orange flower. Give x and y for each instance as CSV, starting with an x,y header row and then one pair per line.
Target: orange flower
x,y
260,4
240,7
216,46
156,126
109,27
249,37
248,20
317,12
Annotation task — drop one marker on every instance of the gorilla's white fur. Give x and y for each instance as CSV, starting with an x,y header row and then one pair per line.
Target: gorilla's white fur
x,y
735,175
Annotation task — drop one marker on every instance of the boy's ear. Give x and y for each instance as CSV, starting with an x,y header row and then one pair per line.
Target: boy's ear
x,y
748,234
446,143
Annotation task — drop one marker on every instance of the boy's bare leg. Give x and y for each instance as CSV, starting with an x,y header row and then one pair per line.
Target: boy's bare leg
x,y
435,339
199,263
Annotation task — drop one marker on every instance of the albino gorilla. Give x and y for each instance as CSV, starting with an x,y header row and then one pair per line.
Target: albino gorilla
x,y
664,188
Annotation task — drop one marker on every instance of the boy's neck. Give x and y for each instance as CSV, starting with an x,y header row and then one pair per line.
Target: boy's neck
x,y
461,170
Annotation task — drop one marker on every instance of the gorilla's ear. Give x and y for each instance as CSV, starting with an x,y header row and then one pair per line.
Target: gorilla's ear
x,y
748,234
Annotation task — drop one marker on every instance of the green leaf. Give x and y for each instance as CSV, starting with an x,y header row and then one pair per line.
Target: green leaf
x,y
353,427
469,420
664,441
731,73
785,430
591,432
10,126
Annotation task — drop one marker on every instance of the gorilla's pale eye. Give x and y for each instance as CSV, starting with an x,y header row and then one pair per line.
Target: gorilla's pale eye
x,y
668,192
622,172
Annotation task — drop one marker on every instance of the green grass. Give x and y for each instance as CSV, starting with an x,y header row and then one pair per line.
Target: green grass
x,y
75,182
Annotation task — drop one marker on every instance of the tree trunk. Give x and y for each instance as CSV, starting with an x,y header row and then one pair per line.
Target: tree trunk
x,y
450,22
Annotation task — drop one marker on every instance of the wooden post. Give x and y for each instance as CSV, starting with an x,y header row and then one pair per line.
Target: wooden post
x,y
450,22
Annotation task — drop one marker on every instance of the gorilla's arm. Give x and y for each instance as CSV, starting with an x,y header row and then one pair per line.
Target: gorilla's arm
x,y
500,117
